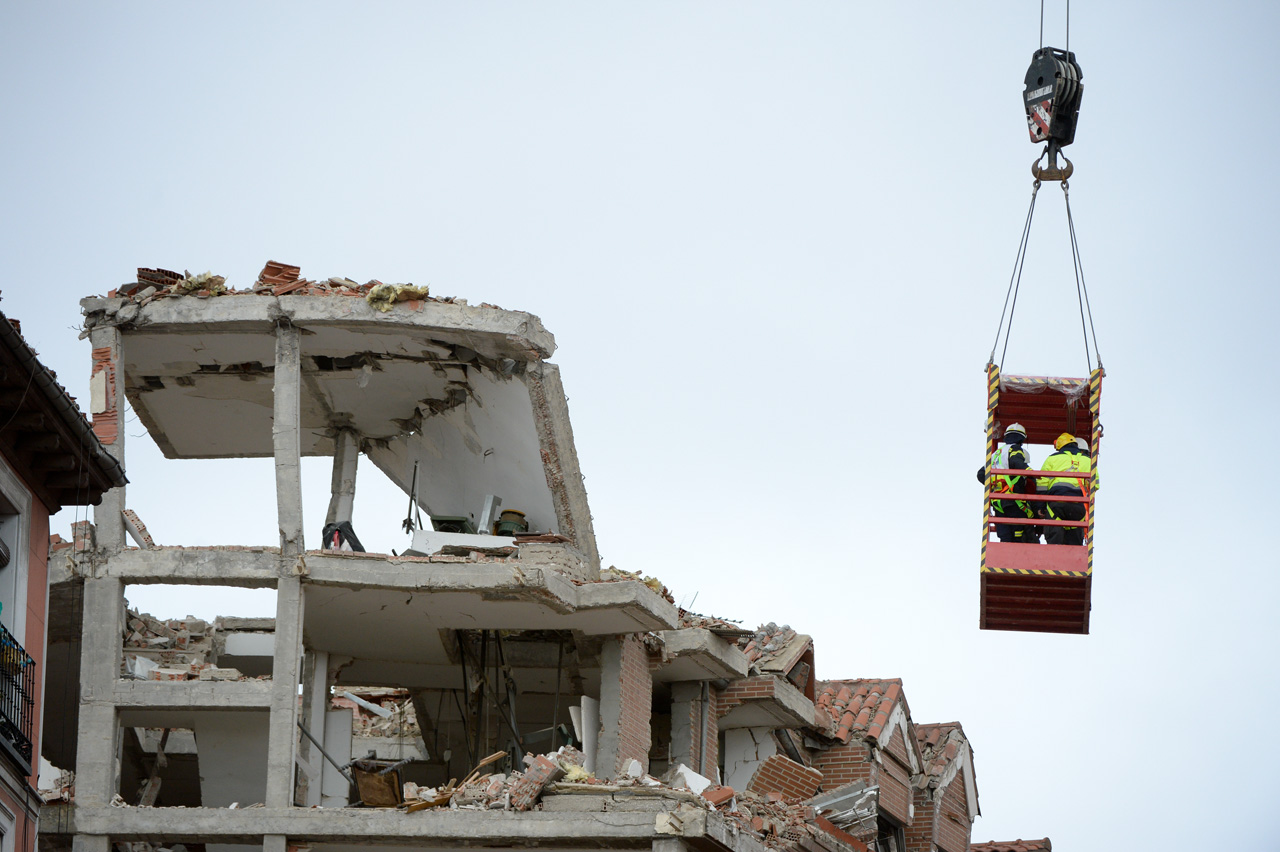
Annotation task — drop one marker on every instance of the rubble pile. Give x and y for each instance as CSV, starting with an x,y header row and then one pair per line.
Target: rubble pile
x,y
708,622
176,649
395,716
275,279
617,575
517,790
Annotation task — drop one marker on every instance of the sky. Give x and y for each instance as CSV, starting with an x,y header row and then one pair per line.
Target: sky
x,y
772,241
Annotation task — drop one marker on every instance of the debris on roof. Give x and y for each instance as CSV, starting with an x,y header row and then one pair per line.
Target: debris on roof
x,y
275,279
384,296
615,575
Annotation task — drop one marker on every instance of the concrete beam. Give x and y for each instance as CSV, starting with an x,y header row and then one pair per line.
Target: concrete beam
x,y
90,843
189,694
594,608
287,438
698,654
250,568
490,331
437,827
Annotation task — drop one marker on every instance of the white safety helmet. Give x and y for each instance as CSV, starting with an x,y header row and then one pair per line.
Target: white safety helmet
x,y
1015,429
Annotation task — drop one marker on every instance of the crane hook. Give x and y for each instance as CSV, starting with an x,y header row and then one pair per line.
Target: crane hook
x,y
1051,170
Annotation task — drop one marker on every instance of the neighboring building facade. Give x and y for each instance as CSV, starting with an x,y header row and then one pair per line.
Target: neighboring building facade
x,y
49,458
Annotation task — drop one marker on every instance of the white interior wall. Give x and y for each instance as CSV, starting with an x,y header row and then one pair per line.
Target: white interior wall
x,y
232,748
744,750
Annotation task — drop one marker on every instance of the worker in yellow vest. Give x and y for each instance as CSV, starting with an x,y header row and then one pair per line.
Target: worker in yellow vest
x,y
1005,484
1069,457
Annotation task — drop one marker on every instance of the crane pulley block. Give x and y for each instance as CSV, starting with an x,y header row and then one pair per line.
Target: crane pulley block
x,y
1052,96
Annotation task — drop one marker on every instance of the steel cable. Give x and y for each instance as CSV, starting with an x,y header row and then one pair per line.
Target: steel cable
x,y
1015,281
1082,289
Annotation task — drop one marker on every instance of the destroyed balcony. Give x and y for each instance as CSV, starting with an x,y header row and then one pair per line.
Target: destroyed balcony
x,y
17,702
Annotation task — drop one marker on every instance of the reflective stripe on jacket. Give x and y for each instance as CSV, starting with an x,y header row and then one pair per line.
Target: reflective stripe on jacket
x,y
1005,484
1068,458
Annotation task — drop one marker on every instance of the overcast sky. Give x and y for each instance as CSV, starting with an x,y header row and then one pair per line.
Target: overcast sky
x,y
772,240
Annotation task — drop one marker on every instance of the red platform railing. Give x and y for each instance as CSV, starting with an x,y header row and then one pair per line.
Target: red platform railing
x,y
1042,497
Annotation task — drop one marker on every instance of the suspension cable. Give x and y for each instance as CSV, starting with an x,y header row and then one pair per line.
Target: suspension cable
x,y
1015,281
1068,48
1082,290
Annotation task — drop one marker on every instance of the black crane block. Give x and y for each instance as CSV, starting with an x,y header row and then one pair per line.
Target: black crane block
x,y
1052,96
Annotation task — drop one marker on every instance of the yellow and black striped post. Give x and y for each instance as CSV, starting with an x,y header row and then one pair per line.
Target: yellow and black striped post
x,y
993,399
1095,401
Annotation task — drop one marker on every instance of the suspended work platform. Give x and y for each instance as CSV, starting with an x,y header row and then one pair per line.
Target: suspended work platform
x,y
1039,588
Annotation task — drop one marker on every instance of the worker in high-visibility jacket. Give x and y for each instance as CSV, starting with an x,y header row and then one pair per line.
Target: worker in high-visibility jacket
x,y
1069,457
1005,484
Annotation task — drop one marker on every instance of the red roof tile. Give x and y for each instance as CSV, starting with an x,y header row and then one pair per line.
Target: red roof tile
x,y
939,745
1042,845
858,706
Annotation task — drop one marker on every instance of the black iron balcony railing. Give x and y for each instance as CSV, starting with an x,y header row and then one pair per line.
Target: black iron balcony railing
x,y
17,705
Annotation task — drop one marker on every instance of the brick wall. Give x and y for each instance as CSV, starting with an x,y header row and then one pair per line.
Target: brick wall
x,y
637,704
780,774
953,826
941,822
106,419
895,788
756,688
713,734
844,764
919,834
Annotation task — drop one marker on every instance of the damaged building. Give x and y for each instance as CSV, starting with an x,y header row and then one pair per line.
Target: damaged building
x,y
491,686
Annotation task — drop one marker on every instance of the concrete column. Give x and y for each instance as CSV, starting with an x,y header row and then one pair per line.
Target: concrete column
x,y
346,455
274,843
282,742
98,732
106,404
315,701
287,436
626,704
